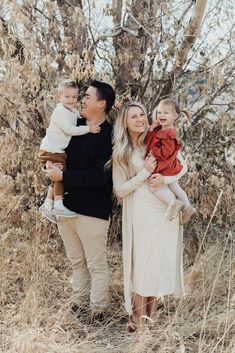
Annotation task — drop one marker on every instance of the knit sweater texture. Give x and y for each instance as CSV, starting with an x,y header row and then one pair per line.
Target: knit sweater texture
x,y
61,128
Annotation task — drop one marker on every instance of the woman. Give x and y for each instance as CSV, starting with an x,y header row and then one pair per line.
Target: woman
x,y
152,257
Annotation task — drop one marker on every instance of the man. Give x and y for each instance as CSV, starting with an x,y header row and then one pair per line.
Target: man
x,y
88,187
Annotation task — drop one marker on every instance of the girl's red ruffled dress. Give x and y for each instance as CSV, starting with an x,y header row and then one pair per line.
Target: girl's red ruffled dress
x,y
164,146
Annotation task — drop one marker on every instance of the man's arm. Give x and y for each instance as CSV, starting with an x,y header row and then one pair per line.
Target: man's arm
x,y
95,176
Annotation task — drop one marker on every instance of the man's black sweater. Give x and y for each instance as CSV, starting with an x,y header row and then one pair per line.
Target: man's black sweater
x,y
87,183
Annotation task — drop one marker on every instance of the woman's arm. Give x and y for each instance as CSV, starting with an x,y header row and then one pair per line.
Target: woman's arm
x,y
123,186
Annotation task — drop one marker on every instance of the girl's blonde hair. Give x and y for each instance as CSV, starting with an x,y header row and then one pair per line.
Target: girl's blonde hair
x,y
174,104
122,145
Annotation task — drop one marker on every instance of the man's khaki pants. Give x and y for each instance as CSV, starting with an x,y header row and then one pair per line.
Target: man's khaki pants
x,y
85,240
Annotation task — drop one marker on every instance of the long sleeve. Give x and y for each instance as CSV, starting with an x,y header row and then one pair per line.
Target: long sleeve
x,y
171,179
163,149
61,129
122,185
68,128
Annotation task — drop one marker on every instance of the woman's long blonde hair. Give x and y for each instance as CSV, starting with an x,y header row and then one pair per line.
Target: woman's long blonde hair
x,y
122,145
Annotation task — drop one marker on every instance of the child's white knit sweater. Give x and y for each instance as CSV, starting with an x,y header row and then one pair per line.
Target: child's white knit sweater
x,y
61,128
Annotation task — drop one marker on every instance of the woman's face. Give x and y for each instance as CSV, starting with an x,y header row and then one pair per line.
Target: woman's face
x,y
136,121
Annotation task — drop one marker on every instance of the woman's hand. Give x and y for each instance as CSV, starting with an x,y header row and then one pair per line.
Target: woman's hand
x,y
150,163
54,173
156,181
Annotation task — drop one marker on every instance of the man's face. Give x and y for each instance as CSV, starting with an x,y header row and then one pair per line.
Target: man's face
x,y
91,105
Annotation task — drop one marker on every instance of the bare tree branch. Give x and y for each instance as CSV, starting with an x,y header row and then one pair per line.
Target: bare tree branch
x,y
190,35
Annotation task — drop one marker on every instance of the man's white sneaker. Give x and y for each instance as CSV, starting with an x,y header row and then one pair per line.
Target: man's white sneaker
x,y
46,212
63,212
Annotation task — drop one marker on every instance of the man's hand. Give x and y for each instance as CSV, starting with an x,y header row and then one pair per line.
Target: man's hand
x,y
49,164
156,181
54,173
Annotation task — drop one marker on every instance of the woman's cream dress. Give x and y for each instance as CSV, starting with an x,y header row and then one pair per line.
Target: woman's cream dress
x,y
152,245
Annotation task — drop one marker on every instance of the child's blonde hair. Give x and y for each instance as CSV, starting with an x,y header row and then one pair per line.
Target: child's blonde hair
x,y
174,104
67,83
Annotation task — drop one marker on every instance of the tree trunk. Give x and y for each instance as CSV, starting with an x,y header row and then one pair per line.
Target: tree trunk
x,y
75,28
189,38
130,46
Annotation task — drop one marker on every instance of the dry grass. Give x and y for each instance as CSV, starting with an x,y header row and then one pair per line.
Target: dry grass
x,y
36,296
35,274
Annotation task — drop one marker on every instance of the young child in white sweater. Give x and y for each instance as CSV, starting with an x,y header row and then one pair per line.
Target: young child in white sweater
x,y
58,135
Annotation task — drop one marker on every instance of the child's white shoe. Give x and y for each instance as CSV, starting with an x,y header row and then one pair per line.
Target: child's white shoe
x,y
47,212
63,212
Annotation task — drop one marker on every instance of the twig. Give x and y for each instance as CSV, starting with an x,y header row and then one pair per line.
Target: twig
x,y
208,226
202,334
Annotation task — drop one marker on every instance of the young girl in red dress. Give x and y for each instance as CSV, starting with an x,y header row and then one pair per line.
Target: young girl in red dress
x,y
164,145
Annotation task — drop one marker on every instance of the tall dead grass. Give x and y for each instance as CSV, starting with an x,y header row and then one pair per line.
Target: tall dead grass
x,y
36,297
35,274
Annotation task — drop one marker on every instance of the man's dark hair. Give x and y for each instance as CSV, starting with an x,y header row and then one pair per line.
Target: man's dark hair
x,y
105,92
